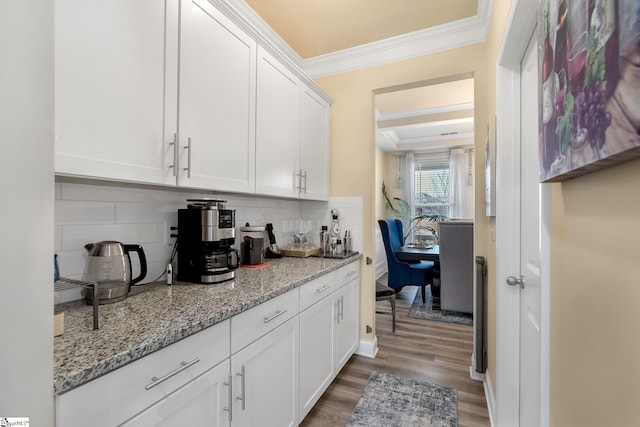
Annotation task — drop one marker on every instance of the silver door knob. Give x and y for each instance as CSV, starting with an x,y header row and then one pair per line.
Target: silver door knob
x,y
514,281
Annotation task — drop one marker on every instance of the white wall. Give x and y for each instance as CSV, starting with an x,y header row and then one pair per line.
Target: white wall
x,y
26,239
86,213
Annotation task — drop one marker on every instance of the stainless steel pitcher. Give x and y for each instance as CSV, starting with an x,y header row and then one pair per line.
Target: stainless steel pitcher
x,y
109,265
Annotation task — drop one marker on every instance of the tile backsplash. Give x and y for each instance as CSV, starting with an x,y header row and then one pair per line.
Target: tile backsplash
x,y
86,213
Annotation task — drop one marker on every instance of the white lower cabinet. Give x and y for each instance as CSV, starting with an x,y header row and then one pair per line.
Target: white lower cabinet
x,y
329,332
347,322
316,352
202,402
165,378
265,385
264,367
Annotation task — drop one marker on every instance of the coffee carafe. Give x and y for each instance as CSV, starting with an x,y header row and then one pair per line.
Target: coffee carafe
x,y
109,265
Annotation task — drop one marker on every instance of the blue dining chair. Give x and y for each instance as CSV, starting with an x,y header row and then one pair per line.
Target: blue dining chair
x,y
402,274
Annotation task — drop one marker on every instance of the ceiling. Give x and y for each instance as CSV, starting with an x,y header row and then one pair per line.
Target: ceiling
x,y
319,27
334,32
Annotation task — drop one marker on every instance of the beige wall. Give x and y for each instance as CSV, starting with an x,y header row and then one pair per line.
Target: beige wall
x,y
353,152
353,163
595,299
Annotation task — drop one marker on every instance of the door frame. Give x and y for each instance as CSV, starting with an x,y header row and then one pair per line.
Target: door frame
x,y
520,27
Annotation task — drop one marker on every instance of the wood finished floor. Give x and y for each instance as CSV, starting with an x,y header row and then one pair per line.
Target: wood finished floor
x,y
425,350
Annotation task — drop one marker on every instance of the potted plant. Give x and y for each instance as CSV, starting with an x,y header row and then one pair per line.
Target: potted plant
x,y
401,209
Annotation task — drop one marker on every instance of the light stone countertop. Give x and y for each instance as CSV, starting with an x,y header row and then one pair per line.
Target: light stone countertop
x,y
156,315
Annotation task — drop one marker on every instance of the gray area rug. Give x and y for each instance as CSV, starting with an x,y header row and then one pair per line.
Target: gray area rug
x,y
390,401
419,310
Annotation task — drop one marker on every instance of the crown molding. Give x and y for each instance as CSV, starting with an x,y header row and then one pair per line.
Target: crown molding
x,y
248,20
431,40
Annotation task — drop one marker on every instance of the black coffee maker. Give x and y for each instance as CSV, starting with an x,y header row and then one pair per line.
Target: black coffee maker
x,y
206,232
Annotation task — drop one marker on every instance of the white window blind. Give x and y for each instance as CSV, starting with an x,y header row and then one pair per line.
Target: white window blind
x,y
431,183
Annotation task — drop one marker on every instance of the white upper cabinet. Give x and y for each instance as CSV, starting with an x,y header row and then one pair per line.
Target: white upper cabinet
x,y
216,115
292,137
178,92
314,145
110,89
277,131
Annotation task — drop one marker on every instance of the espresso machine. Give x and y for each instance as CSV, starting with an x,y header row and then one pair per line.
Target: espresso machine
x,y
206,232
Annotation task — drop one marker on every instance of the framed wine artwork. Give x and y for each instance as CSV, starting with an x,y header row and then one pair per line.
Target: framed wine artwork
x,y
589,89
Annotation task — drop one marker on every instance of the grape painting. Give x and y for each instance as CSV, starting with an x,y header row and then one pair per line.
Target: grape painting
x,y
589,55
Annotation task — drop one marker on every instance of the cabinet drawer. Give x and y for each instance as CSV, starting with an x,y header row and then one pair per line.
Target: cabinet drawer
x,y
347,273
317,289
119,395
252,324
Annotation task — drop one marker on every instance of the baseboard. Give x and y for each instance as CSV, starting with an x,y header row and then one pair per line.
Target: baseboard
x,y
473,374
368,348
476,375
491,399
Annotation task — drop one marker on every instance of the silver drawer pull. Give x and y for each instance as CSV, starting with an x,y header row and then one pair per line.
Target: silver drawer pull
x,y
278,314
351,273
322,289
183,365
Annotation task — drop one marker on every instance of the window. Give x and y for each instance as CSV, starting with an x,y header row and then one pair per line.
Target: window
x,y
431,183
431,190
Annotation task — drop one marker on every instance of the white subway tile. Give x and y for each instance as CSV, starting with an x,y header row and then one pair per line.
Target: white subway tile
x,y
107,192
84,212
75,237
144,213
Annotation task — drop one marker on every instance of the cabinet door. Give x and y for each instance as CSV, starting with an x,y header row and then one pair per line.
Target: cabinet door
x,y
347,322
217,101
110,68
316,352
277,129
314,145
201,402
265,384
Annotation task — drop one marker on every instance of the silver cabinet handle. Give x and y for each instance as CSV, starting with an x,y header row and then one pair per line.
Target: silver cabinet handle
x,y
242,396
278,313
183,365
342,308
322,289
229,383
351,273
338,311
175,154
297,180
303,175
188,147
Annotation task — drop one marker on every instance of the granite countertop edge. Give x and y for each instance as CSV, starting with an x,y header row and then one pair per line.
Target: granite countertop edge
x,y
67,378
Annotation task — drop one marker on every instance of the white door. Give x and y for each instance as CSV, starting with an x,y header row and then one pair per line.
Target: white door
x,y
316,352
529,242
217,101
522,244
314,145
277,129
347,317
110,69
265,383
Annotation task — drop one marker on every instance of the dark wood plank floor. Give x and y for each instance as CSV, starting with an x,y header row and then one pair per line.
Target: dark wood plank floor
x,y
425,350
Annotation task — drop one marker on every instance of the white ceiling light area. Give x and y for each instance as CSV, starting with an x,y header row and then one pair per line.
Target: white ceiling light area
x,y
426,118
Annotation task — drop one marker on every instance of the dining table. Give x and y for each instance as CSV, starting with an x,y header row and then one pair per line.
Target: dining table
x,y
416,253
